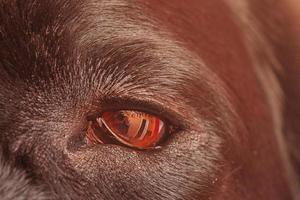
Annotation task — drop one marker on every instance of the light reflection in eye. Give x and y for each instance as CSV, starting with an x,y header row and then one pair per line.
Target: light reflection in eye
x,y
132,128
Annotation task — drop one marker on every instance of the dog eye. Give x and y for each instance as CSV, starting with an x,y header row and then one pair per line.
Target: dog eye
x,y
131,128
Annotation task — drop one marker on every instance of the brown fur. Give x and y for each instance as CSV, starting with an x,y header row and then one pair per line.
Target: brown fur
x,y
210,69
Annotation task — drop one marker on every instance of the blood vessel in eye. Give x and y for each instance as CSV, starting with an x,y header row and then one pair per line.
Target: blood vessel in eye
x,y
136,129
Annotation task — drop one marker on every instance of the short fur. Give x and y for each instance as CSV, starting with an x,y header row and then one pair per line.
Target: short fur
x,y
63,60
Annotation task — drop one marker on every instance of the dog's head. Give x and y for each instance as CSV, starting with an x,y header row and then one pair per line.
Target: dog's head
x,y
188,64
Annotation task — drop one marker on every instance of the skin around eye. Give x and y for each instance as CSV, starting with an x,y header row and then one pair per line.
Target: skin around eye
x,y
132,128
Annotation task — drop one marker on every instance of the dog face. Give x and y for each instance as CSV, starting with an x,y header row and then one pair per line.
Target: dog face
x,y
64,62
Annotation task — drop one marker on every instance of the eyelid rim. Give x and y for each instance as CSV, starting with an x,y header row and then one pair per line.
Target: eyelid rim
x,y
166,114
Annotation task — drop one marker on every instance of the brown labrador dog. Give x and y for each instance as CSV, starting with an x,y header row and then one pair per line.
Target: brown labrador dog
x,y
149,99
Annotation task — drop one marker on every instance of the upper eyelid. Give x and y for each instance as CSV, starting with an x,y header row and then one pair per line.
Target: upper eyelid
x,y
131,103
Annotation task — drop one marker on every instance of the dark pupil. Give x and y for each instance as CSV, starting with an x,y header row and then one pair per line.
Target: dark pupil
x,y
121,123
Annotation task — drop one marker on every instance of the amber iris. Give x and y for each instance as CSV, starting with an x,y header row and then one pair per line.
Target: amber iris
x,y
132,128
